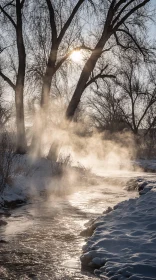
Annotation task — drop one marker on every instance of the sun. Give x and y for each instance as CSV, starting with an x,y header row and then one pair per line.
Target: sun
x,y
76,56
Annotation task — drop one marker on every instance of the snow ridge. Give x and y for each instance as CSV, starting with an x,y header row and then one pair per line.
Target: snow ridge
x,y
123,244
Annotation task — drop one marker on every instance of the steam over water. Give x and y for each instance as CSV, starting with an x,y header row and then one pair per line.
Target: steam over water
x,y
43,237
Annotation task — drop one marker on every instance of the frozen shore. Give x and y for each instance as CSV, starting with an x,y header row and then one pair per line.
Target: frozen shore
x,y
123,243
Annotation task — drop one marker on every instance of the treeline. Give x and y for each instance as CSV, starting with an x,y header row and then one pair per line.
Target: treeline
x,y
114,83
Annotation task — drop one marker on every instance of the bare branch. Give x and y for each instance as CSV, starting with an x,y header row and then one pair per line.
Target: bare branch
x,y
145,111
8,4
22,3
2,49
121,11
117,6
133,39
126,47
129,14
6,79
99,76
68,22
8,16
112,4
52,21
125,116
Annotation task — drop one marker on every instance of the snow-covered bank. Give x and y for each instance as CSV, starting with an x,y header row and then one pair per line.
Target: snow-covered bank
x,y
31,179
27,178
123,245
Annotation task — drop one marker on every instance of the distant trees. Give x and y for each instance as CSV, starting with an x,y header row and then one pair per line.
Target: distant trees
x,y
104,109
129,100
12,12
137,89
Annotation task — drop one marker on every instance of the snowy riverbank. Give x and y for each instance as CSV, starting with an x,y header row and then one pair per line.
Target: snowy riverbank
x,y
123,244
27,179
31,179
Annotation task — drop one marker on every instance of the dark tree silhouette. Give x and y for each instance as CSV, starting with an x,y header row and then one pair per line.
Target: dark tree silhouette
x,y
118,20
105,113
138,96
56,39
18,87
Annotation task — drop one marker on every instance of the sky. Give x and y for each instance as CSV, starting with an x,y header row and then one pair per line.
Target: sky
x,y
153,26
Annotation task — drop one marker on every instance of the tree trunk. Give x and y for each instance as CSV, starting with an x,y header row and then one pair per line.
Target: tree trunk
x,y
85,74
19,89
47,79
21,136
41,121
116,17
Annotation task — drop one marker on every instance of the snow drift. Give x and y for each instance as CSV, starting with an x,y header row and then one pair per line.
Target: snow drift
x,y
123,245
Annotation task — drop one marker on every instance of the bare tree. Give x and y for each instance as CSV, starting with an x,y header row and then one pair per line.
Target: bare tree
x,y
129,100
137,87
121,18
104,110
57,56
56,34
10,11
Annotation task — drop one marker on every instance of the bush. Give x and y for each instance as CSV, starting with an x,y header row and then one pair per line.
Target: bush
x,y
6,159
60,166
146,147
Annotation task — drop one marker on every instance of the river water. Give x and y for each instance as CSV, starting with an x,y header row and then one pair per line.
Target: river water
x,y
43,237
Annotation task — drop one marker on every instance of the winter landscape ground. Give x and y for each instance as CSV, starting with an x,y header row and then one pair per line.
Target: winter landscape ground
x,y
122,242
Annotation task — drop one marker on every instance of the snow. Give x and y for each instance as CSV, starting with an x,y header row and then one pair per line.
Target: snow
x,y
123,244
32,178
29,177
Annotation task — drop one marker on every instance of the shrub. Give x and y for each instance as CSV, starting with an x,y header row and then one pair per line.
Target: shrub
x,y
60,166
6,159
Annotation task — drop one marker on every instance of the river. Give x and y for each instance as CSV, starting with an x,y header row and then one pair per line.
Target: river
x,y
43,237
